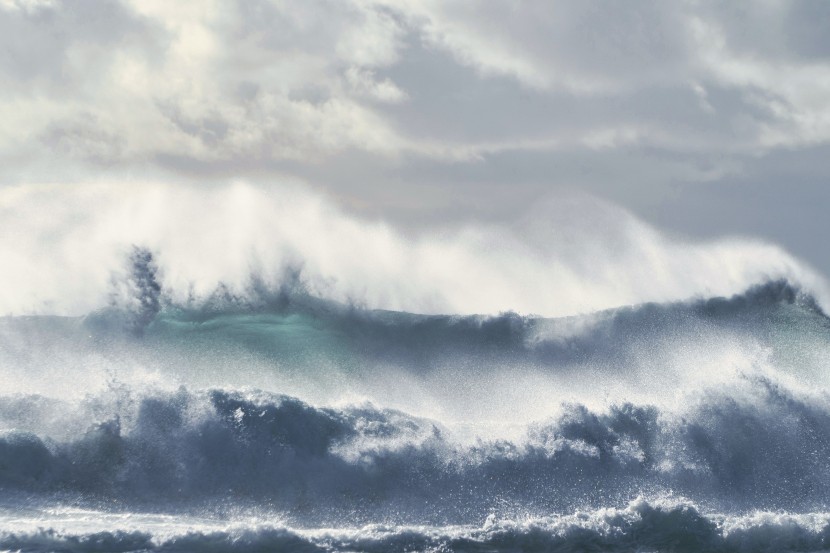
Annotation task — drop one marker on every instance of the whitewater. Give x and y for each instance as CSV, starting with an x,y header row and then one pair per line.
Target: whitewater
x,y
250,368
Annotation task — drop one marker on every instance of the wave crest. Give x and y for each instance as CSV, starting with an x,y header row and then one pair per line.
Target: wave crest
x,y
658,526
574,255
768,450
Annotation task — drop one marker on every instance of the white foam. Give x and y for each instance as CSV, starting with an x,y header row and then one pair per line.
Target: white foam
x,y
62,245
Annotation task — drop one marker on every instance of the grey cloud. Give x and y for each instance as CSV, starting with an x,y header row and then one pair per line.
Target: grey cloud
x,y
261,80
571,43
39,43
435,111
463,111
780,30
248,80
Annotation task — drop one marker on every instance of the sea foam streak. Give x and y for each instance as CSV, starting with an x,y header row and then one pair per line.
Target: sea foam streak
x,y
295,393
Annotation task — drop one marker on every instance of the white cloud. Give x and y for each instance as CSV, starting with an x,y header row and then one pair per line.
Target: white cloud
x,y
204,84
259,82
794,93
364,83
25,5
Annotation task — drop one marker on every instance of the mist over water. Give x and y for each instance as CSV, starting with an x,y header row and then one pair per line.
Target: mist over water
x,y
249,367
65,250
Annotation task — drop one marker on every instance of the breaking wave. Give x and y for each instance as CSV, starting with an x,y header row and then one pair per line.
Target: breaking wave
x,y
656,526
251,369
752,440
769,450
570,256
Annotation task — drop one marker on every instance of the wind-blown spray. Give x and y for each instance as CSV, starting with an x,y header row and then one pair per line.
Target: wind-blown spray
x,y
249,368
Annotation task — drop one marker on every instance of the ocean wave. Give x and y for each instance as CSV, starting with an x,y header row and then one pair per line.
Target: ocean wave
x,y
572,256
642,525
507,367
768,448
490,389
719,400
294,324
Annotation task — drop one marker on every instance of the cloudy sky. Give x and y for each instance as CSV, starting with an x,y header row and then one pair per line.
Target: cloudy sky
x,y
702,118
